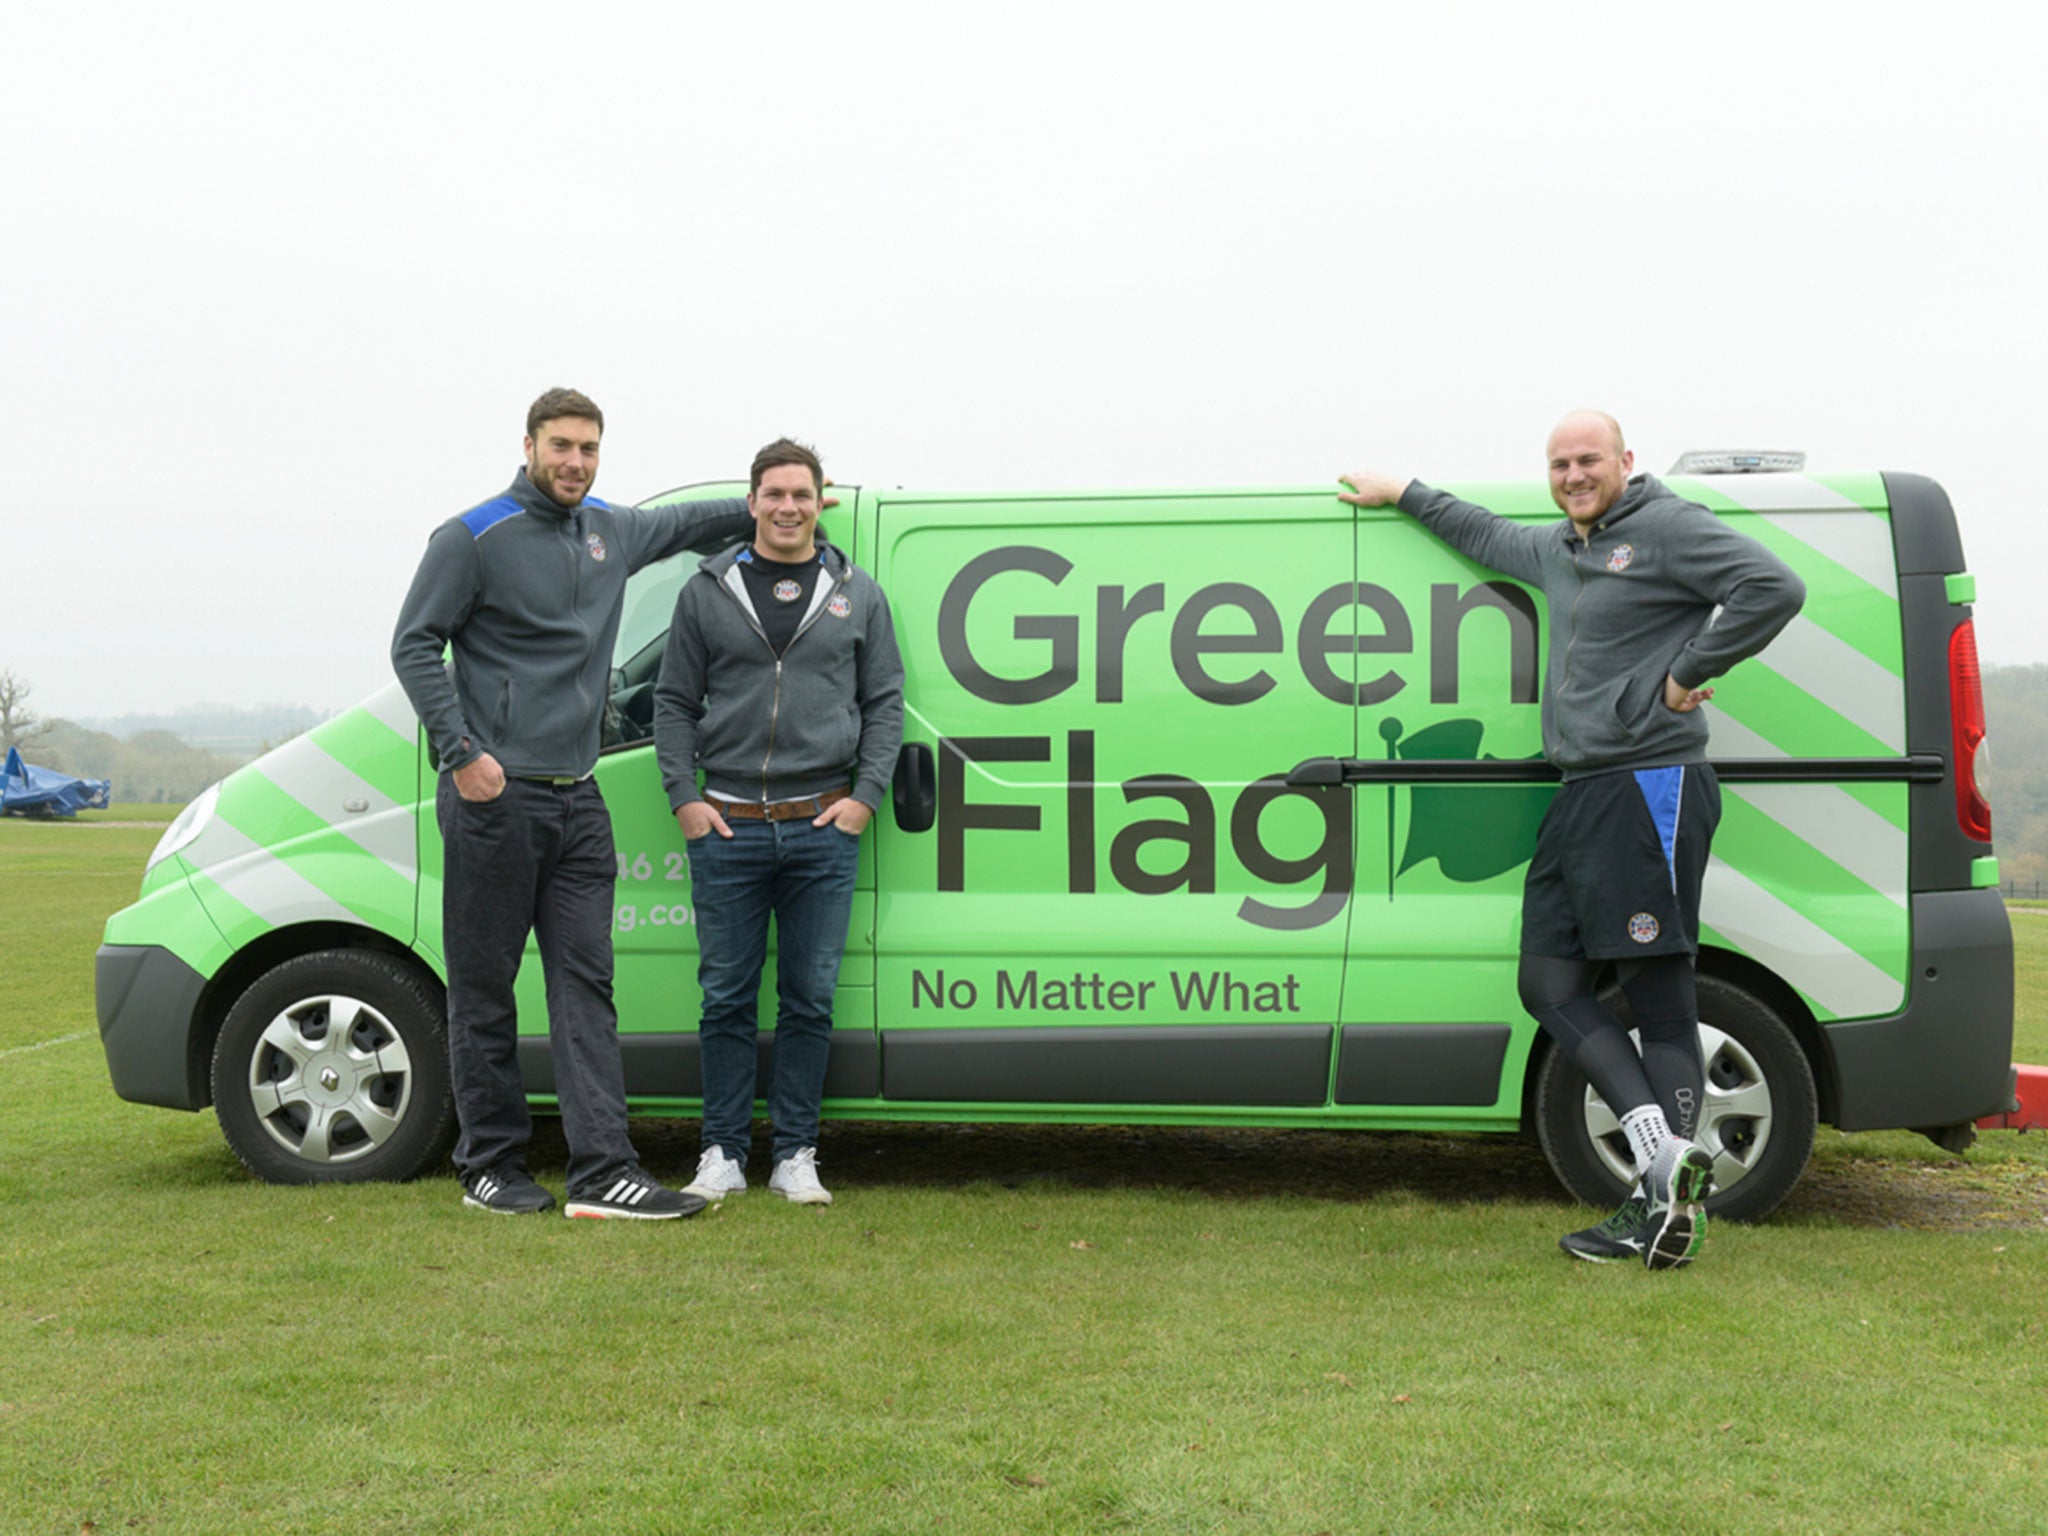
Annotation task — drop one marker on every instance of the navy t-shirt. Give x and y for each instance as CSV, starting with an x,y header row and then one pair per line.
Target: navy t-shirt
x,y
781,594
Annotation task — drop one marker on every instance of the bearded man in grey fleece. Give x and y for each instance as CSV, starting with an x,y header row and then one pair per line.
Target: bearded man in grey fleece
x,y
1650,598
525,592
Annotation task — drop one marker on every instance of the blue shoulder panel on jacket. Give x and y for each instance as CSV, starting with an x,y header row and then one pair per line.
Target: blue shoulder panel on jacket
x,y
480,520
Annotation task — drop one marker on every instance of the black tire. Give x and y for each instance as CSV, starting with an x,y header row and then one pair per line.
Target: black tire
x,y
1758,1122
333,1069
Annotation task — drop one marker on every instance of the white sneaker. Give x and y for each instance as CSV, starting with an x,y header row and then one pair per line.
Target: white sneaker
x,y
796,1178
717,1176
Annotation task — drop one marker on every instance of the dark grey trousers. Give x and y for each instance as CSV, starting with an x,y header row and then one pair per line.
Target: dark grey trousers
x,y
537,859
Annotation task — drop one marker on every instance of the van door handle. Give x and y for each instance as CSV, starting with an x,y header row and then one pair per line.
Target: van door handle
x,y
915,790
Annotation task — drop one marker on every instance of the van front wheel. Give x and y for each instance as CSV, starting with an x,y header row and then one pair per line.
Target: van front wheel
x,y
1758,1122
333,1069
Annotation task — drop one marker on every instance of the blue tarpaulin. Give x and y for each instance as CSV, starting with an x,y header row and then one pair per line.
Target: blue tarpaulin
x,y
26,791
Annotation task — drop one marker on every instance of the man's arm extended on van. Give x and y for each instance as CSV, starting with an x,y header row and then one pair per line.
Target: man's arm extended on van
x,y
655,533
704,526
1487,537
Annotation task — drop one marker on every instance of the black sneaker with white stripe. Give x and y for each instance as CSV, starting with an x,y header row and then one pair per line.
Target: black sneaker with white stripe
x,y
633,1195
1620,1236
506,1190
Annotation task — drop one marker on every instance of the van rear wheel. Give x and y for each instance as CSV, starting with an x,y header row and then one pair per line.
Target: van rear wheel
x,y
333,1069
1758,1122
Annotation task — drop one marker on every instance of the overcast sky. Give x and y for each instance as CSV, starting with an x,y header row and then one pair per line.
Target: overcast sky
x,y
279,281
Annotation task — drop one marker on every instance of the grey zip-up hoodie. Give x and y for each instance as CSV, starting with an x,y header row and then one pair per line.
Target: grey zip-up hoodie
x,y
827,712
1630,602
526,594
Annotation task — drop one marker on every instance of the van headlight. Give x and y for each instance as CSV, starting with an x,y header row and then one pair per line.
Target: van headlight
x,y
189,823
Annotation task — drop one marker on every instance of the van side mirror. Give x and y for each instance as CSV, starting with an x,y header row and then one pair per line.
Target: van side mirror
x,y
915,790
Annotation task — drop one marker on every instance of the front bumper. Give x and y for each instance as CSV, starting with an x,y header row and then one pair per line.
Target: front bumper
x,y
148,1000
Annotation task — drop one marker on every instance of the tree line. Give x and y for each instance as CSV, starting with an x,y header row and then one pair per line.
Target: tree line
x,y
2016,728
150,766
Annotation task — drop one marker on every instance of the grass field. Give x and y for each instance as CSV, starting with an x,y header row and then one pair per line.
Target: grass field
x,y
993,1330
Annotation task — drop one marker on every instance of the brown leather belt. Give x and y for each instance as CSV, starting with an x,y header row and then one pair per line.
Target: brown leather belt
x,y
778,810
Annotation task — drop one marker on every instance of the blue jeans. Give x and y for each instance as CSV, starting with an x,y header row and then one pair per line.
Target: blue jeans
x,y
802,875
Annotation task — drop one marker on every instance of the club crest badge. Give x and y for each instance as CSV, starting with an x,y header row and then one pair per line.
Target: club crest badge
x,y
840,606
1643,928
787,591
1621,557
596,546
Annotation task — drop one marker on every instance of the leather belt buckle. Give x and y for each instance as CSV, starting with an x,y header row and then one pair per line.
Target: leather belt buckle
x,y
779,810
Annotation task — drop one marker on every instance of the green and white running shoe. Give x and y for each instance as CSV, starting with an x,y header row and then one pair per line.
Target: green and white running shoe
x,y
1679,1241
1680,1178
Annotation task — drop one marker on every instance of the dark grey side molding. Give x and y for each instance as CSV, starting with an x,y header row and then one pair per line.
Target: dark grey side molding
x,y
668,1066
1421,1063
1947,1057
1181,1064
146,998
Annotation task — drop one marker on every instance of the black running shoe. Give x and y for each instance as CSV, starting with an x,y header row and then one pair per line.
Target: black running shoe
x,y
1679,1178
632,1194
1620,1236
506,1190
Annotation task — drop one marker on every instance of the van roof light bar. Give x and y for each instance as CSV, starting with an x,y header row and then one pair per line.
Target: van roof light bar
x,y
1720,461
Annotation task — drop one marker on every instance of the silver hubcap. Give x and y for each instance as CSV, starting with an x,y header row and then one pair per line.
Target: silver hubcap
x,y
330,1079
1735,1122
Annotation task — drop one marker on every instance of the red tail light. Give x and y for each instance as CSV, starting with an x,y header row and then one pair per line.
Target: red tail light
x,y
1972,764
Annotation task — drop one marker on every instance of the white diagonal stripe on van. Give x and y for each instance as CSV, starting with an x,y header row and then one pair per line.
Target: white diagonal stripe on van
x,y
1783,939
390,706
1859,542
1823,519
1834,822
1772,493
259,879
1848,682
1729,737
316,779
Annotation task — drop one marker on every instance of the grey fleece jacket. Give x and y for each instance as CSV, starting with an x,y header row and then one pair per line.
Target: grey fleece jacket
x,y
1629,602
526,594
827,712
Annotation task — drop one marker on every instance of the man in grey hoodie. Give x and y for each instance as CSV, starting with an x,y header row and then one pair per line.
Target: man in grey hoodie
x,y
1650,597
782,687
524,592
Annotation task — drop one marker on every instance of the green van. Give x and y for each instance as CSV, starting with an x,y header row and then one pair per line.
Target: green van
x,y
1213,809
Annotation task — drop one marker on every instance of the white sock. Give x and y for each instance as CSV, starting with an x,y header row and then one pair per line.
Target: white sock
x,y
1647,1132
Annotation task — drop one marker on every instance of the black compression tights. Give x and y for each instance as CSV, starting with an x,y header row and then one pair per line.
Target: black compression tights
x,y
1668,1072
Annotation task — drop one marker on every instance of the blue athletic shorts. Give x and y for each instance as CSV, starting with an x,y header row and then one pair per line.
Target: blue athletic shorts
x,y
1619,862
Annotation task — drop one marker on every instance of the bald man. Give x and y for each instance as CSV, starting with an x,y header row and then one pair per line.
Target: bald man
x,y
1632,578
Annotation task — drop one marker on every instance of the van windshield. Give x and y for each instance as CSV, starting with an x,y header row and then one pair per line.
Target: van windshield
x,y
651,591
650,603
